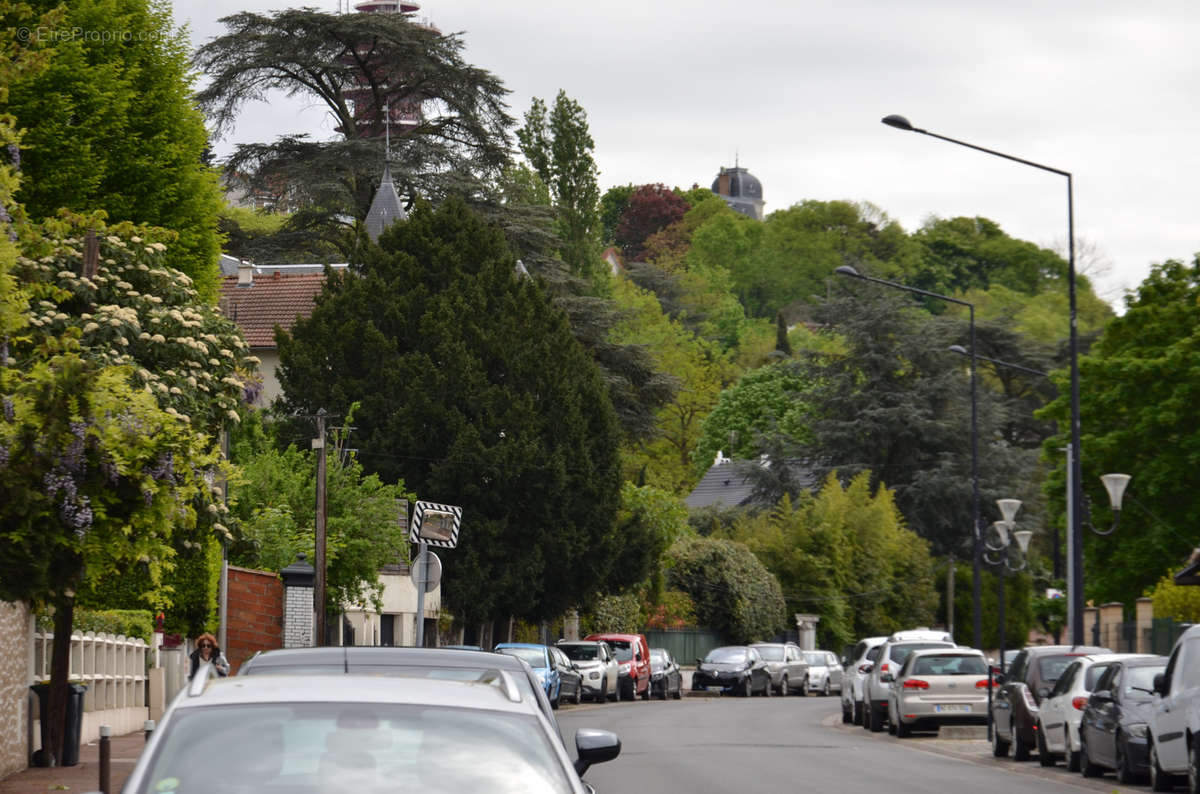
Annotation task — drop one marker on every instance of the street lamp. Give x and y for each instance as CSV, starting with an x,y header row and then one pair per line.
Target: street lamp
x,y
976,550
1074,490
1006,537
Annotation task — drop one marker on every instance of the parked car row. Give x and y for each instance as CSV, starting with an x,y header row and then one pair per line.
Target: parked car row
x,y
765,668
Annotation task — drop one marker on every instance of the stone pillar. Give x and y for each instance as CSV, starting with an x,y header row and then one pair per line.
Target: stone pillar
x,y
806,625
1112,615
1091,619
298,582
1145,623
571,626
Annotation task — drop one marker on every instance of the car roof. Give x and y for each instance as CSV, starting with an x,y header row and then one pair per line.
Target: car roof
x,y
520,645
958,650
1075,650
490,692
1093,658
916,635
352,655
616,635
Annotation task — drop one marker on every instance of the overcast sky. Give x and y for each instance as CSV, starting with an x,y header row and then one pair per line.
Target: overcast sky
x,y
1109,91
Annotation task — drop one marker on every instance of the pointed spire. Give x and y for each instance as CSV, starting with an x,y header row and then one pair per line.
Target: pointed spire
x,y
386,208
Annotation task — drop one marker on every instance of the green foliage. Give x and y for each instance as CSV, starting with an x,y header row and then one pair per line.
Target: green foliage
x,y
613,614
1050,613
474,392
1179,602
1137,412
274,503
138,623
110,125
675,610
1020,605
733,592
612,204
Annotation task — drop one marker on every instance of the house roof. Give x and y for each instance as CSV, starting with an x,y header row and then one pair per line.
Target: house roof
x,y
386,208
722,484
1191,571
277,299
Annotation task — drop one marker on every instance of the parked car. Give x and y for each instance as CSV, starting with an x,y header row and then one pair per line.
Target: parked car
x,y
1034,672
733,669
559,679
666,680
855,667
360,733
596,664
1114,731
1058,716
411,662
1175,715
825,672
938,686
789,670
891,655
633,658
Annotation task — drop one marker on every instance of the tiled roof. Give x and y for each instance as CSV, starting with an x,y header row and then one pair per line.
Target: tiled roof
x,y
277,299
722,485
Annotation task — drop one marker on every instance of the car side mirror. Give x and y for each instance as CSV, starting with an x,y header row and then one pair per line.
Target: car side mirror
x,y
1160,683
699,662
887,678
594,746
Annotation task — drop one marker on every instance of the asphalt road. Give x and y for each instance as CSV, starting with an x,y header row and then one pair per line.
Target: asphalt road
x,y
722,745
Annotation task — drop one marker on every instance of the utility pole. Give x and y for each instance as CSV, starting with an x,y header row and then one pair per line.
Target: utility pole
x,y
319,531
950,598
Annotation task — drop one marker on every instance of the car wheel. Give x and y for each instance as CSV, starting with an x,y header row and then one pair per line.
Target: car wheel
x,y
891,726
745,688
828,690
767,688
1071,757
578,693
648,693
679,689
1086,767
856,716
1044,756
1020,749
664,690
784,688
847,714
999,746
1124,770
1159,780
556,701
903,729
876,718
804,694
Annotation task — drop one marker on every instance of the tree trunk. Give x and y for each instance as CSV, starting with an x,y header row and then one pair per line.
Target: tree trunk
x,y
60,671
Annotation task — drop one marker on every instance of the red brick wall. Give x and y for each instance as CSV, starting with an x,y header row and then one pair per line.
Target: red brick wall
x,y
255,619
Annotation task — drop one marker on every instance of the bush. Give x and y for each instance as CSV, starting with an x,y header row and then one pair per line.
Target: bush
x,y
733,592
133,623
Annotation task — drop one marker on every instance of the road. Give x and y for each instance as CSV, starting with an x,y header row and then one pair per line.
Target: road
x,y
701,745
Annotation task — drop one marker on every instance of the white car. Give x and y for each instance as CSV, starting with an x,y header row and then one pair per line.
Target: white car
x,y
938,686
854,671
1062,709
347,733
824,672
891,655
596,663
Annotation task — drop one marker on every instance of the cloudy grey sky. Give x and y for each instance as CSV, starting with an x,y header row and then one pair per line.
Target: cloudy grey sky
x,y
795,90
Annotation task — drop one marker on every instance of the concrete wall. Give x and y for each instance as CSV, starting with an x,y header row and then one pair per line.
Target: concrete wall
x,y
15,642
255,618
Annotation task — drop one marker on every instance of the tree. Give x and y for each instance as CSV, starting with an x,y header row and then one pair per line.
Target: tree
x,y
733,593
109,125
1136,416
355,66
612,204
649,209
474,392
559,150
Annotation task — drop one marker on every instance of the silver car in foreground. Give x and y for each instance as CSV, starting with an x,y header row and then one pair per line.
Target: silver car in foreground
x,y
938,686
361,734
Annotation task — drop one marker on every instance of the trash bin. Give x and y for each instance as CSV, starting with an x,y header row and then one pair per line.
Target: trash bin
x,y
74,733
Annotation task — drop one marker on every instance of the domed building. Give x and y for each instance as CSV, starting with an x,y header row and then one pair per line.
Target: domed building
x,y
741,190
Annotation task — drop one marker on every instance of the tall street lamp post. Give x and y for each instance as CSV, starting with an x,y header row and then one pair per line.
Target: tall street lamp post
x,y
1006,536
1074,475
976,549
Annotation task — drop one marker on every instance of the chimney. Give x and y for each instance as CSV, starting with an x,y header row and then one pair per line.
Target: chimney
x,y
723,183
245,273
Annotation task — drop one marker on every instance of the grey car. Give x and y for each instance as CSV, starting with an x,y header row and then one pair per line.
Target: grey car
x,y
789,670
348,733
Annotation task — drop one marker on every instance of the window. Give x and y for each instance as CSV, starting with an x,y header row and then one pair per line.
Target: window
x,y
1017,671
1063,684
1190,674
1093,675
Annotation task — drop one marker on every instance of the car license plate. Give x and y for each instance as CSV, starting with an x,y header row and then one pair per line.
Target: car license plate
x,y
953,709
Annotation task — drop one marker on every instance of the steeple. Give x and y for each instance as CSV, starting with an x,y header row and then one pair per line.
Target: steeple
x,y
386,208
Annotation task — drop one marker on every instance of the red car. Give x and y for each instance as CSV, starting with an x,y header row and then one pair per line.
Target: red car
x,y
633,659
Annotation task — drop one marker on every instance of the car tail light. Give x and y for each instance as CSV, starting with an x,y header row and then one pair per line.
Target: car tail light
x,y
1080,703
864,668
982,683
915,683
883,668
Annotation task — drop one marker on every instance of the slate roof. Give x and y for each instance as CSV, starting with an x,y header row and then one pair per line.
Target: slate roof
x,y
276,299
722,484
386,208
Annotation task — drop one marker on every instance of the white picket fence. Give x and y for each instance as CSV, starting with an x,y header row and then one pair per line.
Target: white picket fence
x,y
114,668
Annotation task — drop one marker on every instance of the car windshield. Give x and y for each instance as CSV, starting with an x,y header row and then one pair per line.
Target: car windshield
x,y
1138,683
535,656
581,653
948,664
899,653
658,656
621,650
353,747
1051,667
770,653
815,658
873,654
726,656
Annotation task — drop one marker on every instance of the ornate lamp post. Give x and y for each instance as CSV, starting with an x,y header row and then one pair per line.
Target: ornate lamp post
x,y
1000,554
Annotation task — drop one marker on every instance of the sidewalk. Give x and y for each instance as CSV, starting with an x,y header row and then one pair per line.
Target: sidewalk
x,y
84,776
